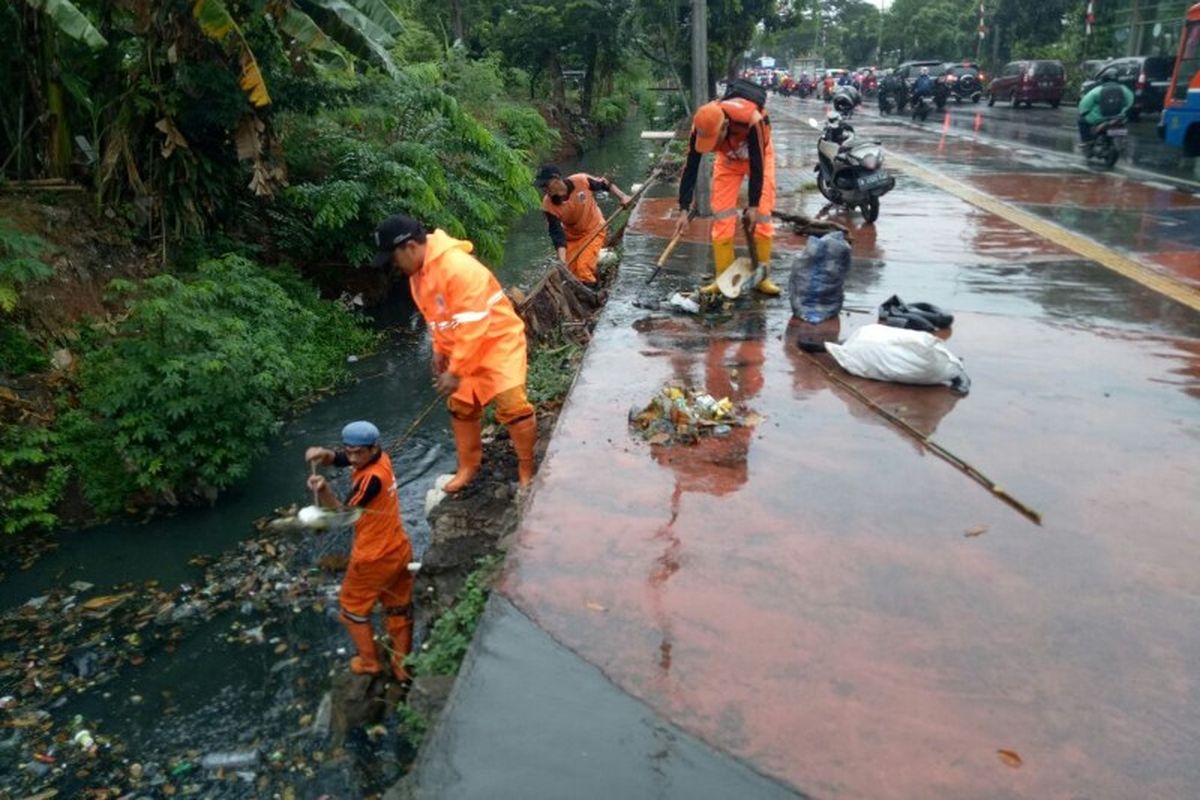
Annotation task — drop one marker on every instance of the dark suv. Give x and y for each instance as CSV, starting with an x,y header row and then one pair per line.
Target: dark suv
x,y
963,81
1148,77
1029,82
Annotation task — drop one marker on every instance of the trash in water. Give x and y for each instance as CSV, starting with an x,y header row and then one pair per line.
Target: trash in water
x,y
677,415
236,759
684,303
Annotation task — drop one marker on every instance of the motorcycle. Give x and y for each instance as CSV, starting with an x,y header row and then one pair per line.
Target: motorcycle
x,y
845,99
921,104
850,173
893,95
1108,142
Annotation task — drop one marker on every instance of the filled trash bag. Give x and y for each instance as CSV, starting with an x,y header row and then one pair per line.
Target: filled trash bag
x,y
913,316
884,353
818,274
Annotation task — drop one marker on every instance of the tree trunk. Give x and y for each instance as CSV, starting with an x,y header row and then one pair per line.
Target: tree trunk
x,y
558,93
456,20
589,77
58,143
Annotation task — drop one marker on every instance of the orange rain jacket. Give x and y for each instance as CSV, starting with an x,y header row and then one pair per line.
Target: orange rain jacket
x,y
470,318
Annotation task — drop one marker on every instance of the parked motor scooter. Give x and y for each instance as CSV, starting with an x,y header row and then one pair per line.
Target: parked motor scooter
x,y
1108,142
850,173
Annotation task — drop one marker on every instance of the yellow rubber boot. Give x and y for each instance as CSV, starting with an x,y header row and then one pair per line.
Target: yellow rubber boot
x,y
722,250
762,248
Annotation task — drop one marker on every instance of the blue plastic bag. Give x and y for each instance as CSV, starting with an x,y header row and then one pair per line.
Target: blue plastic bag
x,y
818,274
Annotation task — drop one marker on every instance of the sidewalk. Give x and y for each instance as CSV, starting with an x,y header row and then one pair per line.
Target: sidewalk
x,y
798,608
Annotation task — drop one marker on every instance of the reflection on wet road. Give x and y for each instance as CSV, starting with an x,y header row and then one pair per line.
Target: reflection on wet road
x,y
847,614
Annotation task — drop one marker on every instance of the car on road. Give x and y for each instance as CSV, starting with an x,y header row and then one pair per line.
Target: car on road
x,y
1148,77
1029,82
963,80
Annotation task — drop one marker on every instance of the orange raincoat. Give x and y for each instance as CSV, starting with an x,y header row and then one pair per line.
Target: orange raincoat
x,y
471,320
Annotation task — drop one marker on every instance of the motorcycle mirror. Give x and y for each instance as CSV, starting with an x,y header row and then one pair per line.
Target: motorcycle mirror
x,y
812,123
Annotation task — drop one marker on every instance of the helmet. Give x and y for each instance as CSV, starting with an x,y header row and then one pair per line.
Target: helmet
x,y
924,70
360,434
833,118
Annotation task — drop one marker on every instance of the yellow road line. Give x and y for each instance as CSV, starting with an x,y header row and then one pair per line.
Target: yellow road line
x,y
1082,245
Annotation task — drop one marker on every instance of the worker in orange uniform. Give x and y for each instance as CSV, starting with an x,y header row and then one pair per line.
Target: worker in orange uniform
x,y
574,218
478,341
741,136
379,558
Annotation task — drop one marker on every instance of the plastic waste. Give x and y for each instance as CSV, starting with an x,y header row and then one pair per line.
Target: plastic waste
x,y
913,316
323,518
883,353
815,286
683,303
234,759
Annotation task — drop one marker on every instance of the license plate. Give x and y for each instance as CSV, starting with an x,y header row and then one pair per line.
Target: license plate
x,y
871,181
1118,132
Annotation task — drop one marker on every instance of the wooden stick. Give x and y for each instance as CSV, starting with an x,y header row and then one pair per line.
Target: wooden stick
x,y
938,450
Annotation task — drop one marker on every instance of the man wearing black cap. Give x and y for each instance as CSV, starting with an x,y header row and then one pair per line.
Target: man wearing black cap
x,y
478,340
574,218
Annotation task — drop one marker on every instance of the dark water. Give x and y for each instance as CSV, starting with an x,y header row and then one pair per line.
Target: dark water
x,y
212,692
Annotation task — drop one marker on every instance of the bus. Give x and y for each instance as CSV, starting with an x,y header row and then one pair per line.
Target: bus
x,y
1180,124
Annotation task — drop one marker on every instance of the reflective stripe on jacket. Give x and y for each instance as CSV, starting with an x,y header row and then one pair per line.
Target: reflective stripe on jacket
x,y
579,213
379,532
470,319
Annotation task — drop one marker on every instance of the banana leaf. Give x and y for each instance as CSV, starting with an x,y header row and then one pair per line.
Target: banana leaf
x,y
217,24
71,21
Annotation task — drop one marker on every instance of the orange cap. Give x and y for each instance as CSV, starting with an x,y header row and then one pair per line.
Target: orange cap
x,y
707,126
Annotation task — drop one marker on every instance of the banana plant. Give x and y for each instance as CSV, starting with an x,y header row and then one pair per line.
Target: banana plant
x,y
70,20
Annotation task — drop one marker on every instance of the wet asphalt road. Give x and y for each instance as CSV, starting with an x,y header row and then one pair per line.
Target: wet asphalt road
x,y
1055,130
819,598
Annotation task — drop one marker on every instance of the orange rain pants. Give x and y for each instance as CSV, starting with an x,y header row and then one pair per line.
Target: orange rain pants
x,y
584,267
511,405
728,174
385,580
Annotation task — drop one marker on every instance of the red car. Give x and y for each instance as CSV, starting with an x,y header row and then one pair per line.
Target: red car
x,y
1029,82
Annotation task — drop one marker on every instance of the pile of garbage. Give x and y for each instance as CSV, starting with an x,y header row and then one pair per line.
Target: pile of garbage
x,y
678,415
78,649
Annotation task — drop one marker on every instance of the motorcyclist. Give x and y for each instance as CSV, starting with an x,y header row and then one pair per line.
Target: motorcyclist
x,y
846,79
1100,104
923,85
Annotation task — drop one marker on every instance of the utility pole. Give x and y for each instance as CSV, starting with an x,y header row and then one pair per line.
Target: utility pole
x,y
700,94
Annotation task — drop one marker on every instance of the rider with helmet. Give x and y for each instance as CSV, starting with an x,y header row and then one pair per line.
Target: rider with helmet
x,y
1108,100
923,85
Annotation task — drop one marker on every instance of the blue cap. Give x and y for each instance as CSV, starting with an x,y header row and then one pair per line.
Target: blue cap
x,y
360,434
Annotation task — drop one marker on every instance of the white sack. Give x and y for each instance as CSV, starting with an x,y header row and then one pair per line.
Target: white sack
x,y
884,353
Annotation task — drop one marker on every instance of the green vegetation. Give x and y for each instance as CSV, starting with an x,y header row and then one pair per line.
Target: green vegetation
x,y
850,33
32,477
181,394
20,263
551,371
19,353
451,635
